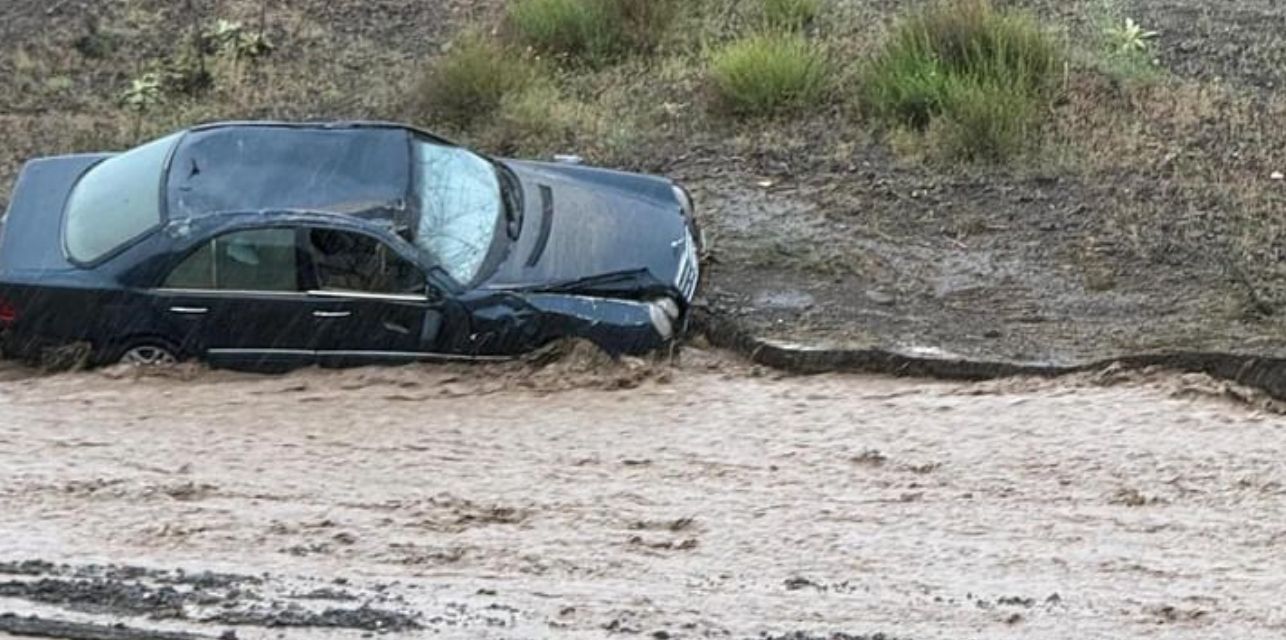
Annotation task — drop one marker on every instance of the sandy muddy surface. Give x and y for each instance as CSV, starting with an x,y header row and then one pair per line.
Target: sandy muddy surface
x,y
708,500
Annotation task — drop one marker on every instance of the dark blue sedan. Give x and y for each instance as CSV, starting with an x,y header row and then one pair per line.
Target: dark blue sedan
x,y
278,245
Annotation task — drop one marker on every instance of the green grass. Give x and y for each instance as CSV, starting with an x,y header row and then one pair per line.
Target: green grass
x,y
595,32
790,15
471,81
768,74
983,121
977,75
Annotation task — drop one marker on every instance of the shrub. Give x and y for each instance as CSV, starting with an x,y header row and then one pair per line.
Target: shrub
x,y
790,15
984,72
471,80
593,31
769,73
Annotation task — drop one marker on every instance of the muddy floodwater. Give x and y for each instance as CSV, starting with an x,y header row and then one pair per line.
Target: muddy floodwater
x,y
704,500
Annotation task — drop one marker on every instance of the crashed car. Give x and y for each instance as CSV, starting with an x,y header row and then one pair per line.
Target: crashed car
x,y
278,244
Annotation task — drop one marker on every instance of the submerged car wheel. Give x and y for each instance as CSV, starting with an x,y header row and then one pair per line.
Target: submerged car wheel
x,y
149,355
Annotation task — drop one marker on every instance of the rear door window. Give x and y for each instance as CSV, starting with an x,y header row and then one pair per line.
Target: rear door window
x,y
355,262
255,260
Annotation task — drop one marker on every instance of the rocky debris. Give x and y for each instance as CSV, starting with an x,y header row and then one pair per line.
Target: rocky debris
x,y
363,618
201,597
38,627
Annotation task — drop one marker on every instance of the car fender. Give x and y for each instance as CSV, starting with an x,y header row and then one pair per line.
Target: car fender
x,y
617,326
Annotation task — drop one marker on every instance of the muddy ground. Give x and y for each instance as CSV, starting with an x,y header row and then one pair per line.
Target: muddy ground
x,y
708,500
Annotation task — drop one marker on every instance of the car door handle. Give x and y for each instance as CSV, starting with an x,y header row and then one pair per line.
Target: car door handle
x,y
332,314
190,311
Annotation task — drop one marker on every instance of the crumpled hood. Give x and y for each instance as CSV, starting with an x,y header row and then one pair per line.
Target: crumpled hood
x,y
594,231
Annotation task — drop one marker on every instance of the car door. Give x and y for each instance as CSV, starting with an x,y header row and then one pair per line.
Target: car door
x,y
239,300
379,307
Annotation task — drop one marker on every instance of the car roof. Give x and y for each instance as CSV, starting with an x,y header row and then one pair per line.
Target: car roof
x,y
377,184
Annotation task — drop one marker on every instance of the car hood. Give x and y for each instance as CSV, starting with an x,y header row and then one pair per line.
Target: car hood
x,y
596,231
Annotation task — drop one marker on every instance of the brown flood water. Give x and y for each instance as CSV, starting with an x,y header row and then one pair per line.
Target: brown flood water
x,y
709,500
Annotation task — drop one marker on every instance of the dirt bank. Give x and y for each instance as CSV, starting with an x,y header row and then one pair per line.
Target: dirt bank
x,y
712,500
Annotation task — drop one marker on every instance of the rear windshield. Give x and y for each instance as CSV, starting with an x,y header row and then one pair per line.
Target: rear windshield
x,y
116,201
285,168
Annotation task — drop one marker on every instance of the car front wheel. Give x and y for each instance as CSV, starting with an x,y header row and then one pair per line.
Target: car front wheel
x,y
149,355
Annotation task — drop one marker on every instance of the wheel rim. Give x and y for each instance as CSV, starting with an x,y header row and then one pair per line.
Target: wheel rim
x,y
148,356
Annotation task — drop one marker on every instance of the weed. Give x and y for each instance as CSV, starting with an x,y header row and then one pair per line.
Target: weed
x,y
975,75
1130,37
143,93
471,81
768,74
1124,48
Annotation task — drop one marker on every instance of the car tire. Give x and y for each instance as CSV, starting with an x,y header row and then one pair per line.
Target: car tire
x,y
147,352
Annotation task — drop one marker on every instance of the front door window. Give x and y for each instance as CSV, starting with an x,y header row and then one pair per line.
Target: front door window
x,y
352,262
260,260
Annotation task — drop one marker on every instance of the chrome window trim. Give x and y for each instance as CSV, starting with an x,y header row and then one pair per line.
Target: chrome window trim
x,y
362,295
361,354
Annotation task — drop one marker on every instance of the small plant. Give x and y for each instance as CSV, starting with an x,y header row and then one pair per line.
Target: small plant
x,y
471,80
790,15
768,74
1130,37
230,44
975,75
144,93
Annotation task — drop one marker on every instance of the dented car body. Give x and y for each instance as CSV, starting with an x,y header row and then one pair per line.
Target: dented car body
x,y
274,244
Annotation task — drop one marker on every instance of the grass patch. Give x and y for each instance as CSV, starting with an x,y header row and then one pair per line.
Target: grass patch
x,y
976,77
592,31
471,81
790,15
532,121
770,73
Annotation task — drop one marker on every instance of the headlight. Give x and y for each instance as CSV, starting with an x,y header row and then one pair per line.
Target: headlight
x,y
662,318
685,201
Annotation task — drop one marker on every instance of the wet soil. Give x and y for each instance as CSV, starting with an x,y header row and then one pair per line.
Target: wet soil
x,y
712,499
1045,273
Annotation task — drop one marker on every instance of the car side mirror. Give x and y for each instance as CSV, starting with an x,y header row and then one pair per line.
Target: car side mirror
x,y
432,293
